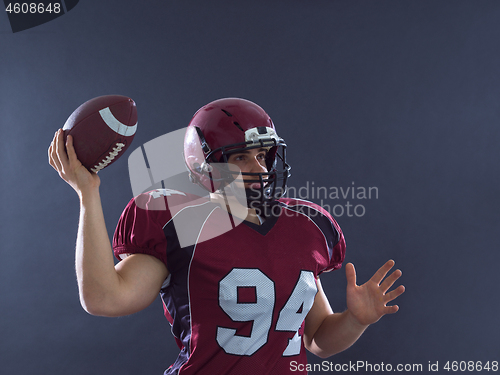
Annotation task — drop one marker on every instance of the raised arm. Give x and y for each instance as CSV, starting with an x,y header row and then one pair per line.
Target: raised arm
x,y
104,289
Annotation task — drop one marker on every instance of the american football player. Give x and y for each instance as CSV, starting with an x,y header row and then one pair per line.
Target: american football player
x,y
238,272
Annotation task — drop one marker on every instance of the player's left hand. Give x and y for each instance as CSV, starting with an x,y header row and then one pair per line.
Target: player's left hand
x,y
368,302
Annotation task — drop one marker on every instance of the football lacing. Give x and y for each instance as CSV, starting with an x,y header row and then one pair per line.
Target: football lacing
x,y
112,154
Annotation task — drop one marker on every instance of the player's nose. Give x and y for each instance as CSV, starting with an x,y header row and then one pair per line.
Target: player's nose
x,y
257,165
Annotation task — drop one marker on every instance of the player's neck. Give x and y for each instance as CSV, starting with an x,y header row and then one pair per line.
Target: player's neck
x,y
252,217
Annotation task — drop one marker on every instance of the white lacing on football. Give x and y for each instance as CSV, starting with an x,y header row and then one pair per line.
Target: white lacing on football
x,y
112,154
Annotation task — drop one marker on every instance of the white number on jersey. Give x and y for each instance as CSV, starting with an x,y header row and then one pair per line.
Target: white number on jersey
x,y
295,310
260,312
242,312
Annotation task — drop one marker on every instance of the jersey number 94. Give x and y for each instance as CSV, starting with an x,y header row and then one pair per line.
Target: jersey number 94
x,y
260,312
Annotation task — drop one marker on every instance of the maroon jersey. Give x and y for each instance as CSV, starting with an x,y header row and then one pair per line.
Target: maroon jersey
x,y
236,299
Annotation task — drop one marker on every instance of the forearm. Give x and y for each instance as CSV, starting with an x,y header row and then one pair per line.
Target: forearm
x,y
336,333
96,275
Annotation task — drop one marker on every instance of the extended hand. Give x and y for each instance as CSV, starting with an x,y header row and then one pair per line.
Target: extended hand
x,y
367,303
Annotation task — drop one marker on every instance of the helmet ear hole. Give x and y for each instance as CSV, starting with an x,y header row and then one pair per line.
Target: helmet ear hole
x,y
206,167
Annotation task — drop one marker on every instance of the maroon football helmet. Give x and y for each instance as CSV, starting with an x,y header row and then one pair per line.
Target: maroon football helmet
x,y
232,125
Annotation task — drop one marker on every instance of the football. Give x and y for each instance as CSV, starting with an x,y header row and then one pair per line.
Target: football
x,y
102,129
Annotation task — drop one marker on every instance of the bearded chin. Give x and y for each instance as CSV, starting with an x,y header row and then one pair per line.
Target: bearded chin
x,y
258,200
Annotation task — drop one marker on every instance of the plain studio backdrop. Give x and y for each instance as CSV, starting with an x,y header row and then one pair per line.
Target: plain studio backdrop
x,y
398,96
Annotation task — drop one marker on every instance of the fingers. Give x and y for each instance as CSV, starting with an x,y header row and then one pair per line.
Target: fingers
x,y
391,296
61,151
71,150
377,277
390,280
394,294
50,150
382,272
54,159
350,274
391,309
58,156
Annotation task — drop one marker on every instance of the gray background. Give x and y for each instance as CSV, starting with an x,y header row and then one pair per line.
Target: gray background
x,y
399,95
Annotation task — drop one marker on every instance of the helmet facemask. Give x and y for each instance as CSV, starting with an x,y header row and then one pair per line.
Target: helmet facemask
x,y
272,184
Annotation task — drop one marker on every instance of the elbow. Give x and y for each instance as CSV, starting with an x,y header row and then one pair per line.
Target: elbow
x,y
91,307
323,354
320,351
96,306
107,305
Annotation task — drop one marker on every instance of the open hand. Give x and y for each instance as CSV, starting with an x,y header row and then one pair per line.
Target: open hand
x,y
368,302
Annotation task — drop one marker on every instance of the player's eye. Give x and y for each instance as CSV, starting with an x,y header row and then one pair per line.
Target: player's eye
x,y
238,158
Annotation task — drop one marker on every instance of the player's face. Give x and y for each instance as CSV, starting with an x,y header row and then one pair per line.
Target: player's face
x,y
250,161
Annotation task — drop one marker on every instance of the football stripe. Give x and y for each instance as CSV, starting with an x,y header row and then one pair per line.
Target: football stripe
x,y
116,125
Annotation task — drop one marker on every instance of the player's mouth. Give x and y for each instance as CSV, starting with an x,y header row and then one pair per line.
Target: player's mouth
x,y
253,185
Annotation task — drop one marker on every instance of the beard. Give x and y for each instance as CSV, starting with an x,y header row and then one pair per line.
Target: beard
x,y
259,200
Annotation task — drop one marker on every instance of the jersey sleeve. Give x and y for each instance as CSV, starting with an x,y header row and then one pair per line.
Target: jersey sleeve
x,y
335,241
140,230
334,238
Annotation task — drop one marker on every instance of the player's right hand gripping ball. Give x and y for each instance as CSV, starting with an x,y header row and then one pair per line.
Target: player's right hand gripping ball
x,y
102,129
